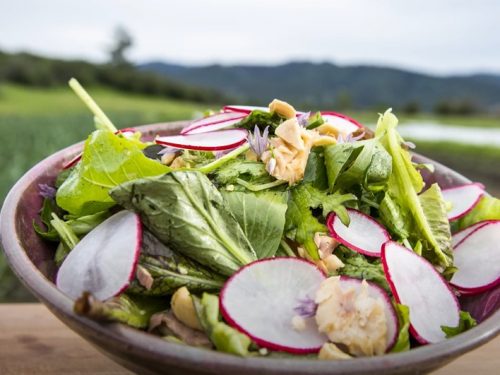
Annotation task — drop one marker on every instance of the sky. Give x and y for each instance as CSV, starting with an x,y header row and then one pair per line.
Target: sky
x,y
441,37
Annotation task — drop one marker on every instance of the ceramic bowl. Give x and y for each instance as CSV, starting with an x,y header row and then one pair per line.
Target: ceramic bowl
x,y
32,261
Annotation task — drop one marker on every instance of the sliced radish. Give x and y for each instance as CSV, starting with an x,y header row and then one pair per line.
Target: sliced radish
x,y
377,292
243,108
104,261
416,284
463,199
214,122
477,258
216,141
342,123
260,300
364,234
127,133
461,235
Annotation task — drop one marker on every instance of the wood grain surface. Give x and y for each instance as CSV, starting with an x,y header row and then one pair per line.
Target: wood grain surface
x,y
33,341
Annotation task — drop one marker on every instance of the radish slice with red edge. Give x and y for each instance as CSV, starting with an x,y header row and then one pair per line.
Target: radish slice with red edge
x,y
127,132
214,122
477,258
215,141
461,235
463,199
342,123
260,301
377,292
105,260
243,108
364,234
416,284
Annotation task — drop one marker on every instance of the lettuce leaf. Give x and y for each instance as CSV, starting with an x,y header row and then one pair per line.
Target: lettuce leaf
x,y
107,161
403,342
184,210
315,172
262,218
466,322
416,217
301,224
225,338
488,208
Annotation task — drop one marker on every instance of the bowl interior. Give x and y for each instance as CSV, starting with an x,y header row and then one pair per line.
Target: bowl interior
x,y
22,207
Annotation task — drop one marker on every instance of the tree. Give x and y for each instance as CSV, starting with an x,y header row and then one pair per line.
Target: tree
x,y
123,41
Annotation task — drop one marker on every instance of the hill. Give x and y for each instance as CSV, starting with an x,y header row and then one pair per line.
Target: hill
x,y
331,86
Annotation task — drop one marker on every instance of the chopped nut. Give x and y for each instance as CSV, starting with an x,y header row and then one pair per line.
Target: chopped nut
x,y
328,129
178,162
168,158
324,140
298,323
282,108
183,308
330,351
144,277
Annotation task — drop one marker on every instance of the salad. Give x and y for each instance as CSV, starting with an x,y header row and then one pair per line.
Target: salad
x,y
266,231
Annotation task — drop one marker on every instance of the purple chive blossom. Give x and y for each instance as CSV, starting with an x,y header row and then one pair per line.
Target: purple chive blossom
x,y
258,142
306,307
168,150
46,191
349,138
303,119
271,165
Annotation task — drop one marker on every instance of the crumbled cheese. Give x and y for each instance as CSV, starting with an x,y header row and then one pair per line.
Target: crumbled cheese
x,y
325,244
330,351
298,323
351,317
291,132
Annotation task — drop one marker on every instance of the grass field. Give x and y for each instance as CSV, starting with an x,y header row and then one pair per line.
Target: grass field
x,y
35,123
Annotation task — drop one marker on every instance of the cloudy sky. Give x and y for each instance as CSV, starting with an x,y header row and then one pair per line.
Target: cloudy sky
x,y
439,37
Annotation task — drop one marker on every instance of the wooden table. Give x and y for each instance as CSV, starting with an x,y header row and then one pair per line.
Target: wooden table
x,y
33,341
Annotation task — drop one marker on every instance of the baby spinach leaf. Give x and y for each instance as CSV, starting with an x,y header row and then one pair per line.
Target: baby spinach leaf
x,y
262,218
107,161
186,211
315,172
262,119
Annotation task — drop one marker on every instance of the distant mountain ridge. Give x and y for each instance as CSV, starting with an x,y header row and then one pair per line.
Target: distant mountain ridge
x,y
325,85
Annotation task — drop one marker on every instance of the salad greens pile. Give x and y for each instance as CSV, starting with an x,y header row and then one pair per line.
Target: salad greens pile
x,y
206,214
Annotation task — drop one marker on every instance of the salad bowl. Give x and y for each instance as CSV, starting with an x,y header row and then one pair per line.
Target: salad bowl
x,y
31,259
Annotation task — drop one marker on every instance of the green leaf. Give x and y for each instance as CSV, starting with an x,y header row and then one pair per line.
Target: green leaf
x,y
358,266
171,271
134,311
424,224
261,119
187,212
262,218
315,172
488,208
107,161
301,224
403,342
466,322
225,338
246,170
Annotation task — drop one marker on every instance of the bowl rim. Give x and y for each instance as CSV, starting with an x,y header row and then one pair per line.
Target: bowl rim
x,y
152,347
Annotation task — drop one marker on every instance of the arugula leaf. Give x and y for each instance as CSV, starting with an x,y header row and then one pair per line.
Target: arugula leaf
x,y
262,218
243,169
171,271
488,208
186,211
225,338
301,224
262,119
107,161
405,183
134,311
358,266
403,342
466,322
